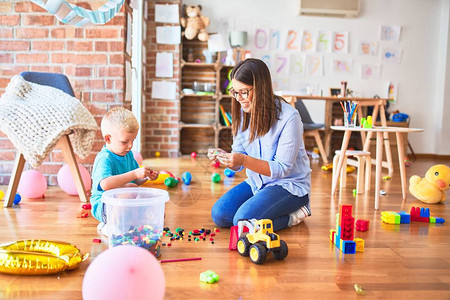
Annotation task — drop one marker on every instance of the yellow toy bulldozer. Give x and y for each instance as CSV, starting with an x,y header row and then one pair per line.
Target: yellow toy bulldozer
x,y
259,240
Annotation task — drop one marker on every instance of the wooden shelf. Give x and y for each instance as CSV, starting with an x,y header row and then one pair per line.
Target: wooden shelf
x,y
201,125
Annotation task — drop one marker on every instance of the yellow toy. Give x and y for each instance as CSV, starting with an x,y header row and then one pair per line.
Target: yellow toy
x,y
259,240
194,23
159,180
432,188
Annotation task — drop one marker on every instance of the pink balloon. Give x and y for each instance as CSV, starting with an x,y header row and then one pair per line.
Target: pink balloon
x,y
138,157
124,272
66,182
32,184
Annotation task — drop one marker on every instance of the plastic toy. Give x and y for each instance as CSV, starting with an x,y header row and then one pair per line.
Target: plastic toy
x,y
416,214
343,235
432,188
32,184
39,257
170,182
209,277
17,199
160,180
2,195
216,164
193,154
194,23
215,177
86,206
259,240
157,154
229,173
187,178
66,182
362,225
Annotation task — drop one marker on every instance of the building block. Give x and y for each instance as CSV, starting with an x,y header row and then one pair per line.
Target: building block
x,y
359,245
420,214
390,217
347,228
362,225
405,218
234,236
348,247
332,233
344,211
209,277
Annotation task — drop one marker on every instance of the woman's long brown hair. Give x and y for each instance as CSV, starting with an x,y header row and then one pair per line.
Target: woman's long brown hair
x,y
265,106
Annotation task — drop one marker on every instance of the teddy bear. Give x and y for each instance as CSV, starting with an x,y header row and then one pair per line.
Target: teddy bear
x,y
432,188
194,23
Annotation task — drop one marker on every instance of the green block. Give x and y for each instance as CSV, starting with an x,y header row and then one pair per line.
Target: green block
x,y
209,277
432,220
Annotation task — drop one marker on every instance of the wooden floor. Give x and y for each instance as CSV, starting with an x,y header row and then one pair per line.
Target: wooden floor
x,y
399,261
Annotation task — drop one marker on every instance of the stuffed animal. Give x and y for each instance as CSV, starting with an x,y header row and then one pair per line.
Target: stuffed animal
x,y
194,23
432,188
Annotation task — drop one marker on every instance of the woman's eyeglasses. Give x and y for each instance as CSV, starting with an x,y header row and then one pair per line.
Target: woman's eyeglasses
x,y
243,93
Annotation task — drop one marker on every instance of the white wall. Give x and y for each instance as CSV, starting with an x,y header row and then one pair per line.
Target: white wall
x,y
423,76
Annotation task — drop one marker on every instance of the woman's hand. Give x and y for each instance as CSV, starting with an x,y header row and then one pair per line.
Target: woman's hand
x,y
232,160
214,152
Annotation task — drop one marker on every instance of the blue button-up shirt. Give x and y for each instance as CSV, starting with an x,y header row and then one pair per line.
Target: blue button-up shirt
x,y
283,148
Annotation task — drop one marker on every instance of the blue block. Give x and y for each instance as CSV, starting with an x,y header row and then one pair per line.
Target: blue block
x,y
405,218
349,247
425,212
440,220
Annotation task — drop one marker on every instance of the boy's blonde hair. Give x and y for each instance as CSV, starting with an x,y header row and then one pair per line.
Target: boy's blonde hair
x,y
119,118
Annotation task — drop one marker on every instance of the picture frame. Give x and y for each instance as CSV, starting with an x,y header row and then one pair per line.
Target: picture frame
x,y
334,92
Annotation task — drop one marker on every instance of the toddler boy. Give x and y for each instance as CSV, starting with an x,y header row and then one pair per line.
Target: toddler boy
x,y
114,165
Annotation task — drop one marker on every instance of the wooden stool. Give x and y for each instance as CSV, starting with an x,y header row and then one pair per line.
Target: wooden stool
x,y
363,161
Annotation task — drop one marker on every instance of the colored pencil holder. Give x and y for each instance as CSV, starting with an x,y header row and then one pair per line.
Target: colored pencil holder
x,y
350,119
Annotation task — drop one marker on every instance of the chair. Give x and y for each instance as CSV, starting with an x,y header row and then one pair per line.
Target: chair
x,y
310,128
363,164
61,82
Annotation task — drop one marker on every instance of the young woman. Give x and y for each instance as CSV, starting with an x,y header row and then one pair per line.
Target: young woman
x,y
268,142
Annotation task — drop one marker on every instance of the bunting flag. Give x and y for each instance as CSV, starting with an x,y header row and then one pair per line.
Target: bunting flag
x,y
71,14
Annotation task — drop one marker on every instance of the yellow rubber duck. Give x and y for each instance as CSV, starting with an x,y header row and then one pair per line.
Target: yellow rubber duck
x,y
432,188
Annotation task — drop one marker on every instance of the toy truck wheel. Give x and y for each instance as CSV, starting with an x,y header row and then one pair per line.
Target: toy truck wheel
x,y
258,253
242,246
281,252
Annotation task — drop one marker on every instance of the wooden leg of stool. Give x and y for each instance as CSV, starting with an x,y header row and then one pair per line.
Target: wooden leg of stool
x,y
360,175
335,162
368,161
69,157
320,146
14,180
344,174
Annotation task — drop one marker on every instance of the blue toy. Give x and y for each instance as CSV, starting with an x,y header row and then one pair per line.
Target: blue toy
x,y
17,199
186,177
228,172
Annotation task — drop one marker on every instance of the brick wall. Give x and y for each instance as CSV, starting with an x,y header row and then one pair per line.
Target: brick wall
x,y
160,119
31,39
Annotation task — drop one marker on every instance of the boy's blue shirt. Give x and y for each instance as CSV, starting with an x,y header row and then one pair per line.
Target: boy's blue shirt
x,y
108,164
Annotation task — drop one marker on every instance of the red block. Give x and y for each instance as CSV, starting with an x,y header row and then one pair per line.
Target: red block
x,y
344,211
234,237
362,225
347,228
415,215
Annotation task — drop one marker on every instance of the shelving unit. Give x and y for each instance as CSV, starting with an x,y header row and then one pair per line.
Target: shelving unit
x,y
201,125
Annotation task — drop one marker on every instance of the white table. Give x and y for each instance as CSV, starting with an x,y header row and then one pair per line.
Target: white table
x,y
399,132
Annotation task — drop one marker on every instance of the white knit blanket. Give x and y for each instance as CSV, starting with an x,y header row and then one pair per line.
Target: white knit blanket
x,y
35,117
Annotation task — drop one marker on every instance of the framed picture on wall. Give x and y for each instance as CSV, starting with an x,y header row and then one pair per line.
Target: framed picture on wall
x,y
334,92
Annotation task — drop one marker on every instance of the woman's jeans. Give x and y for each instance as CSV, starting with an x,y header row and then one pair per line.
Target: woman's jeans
x,y
272,202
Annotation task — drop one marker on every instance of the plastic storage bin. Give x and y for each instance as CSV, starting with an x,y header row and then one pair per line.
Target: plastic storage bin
x,y
135,216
